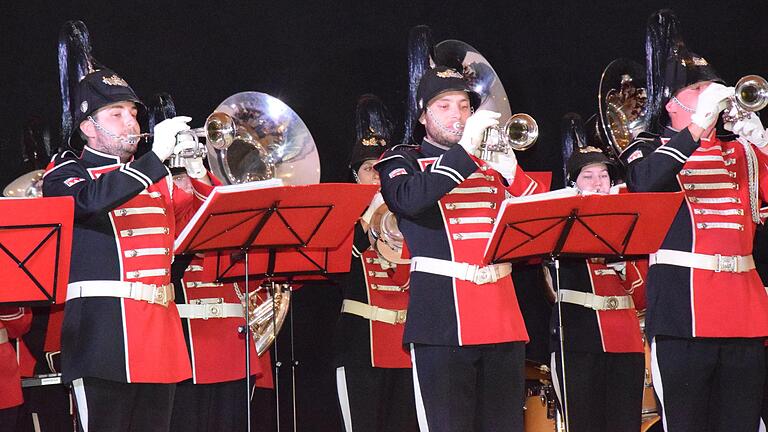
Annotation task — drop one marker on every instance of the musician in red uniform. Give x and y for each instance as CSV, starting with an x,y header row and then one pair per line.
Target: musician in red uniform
x,y
212,314
707,308
122,342
464,326
14,322
604,356
373,369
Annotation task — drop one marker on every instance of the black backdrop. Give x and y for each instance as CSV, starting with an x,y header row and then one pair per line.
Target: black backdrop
x,y
319,56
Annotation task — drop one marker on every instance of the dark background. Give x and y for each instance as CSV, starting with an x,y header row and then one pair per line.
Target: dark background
x,y
318,57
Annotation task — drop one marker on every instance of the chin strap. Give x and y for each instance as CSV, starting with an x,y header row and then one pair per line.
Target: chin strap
x,y
111,134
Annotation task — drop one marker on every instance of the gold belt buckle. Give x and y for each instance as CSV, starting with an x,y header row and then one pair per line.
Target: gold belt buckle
x,y
401,314
611,303
161,295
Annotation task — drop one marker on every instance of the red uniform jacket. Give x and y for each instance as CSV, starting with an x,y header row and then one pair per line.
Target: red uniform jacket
x,y
715,218
125,218
216,347
446,202
14,322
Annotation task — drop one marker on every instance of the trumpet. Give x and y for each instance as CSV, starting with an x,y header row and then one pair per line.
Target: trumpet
x,y
750,95
518,133
219,132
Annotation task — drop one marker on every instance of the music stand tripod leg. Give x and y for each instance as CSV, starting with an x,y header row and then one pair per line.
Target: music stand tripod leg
x,y
561,340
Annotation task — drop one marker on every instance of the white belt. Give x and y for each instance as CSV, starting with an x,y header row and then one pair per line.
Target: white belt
x,y
596,302
463,271
373,313
717,263
150,293
203,310
3,335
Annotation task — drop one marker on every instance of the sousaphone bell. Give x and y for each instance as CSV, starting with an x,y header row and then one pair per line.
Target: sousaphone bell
x,y
515,132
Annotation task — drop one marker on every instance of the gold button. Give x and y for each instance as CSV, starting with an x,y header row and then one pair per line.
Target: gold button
x,y
131,253
129,232
166,230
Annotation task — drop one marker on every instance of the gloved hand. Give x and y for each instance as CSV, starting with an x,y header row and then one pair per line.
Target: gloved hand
x,y
750,128
165,135
376,202
186,147
505,164
476,124
711,102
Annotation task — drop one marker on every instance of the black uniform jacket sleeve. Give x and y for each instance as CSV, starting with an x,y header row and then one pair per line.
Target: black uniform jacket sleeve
x,y
408,190
652,167
69,177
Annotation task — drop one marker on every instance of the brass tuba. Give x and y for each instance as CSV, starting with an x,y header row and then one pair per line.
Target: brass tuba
x,y
269,141
29,185
268,308
385,236
622,100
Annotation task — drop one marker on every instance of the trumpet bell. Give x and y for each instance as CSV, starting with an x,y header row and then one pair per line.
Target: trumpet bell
x,y
220,130
752,93
521,131
270,141
29,185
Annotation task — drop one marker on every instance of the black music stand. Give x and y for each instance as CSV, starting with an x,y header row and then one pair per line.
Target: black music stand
x,y
564,223
35,249
288,231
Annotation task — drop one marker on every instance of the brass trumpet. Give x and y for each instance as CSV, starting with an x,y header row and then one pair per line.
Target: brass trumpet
x,y
750,95
219,132
518,133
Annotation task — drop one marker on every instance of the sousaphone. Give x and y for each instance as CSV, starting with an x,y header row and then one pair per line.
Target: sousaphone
x,y
622,100
270,142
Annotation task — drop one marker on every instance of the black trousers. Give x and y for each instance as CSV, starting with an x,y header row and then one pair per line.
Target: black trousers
x,y
709,384
218,407
376,399
605,390
8,417
104,405
46,408
469,388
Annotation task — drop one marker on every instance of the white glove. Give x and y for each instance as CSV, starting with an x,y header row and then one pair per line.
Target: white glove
x,y
711,102
505,164
165,135
476,124
750,129
376,202
186,147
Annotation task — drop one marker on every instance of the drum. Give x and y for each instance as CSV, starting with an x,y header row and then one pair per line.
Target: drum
x,y
540,408
651,423
649,398
540,404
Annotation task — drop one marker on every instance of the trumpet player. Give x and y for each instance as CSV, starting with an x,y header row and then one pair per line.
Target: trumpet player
x,y
464,328
122,343
373,369
707,307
